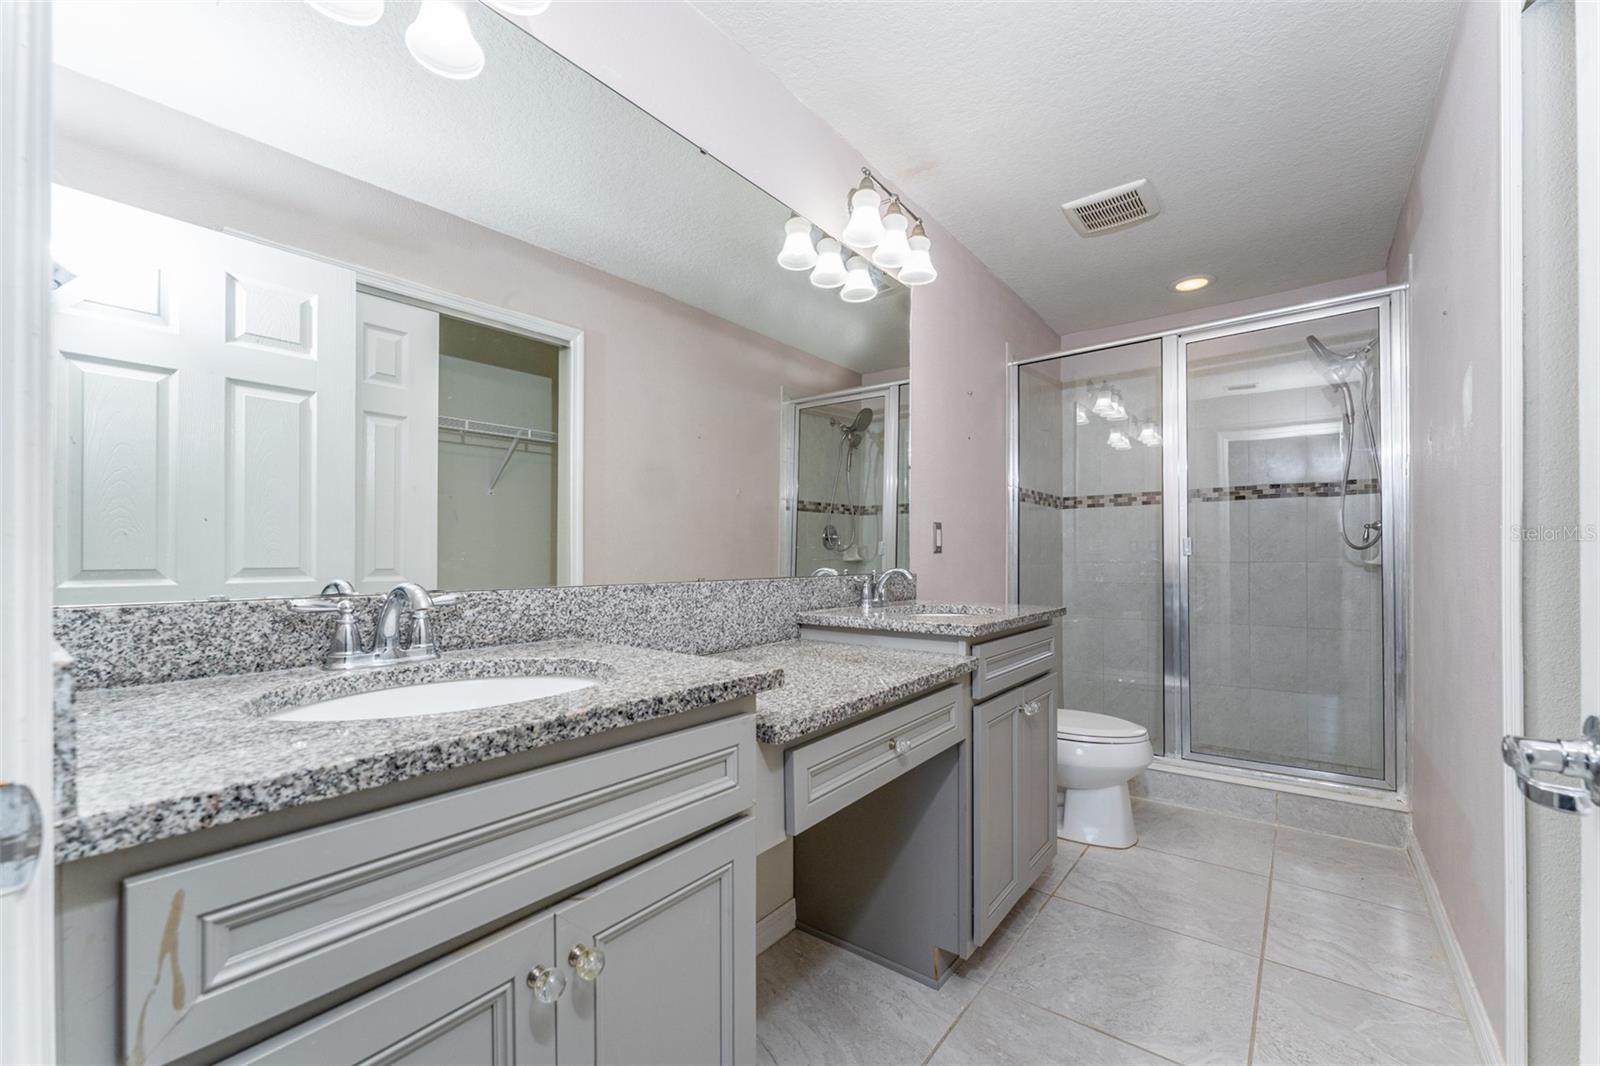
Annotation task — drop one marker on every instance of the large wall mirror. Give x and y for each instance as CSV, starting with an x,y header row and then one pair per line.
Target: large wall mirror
x,y
320,312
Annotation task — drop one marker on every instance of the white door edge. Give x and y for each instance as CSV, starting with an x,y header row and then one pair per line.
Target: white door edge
x,y
1513,813
1588,158
27,917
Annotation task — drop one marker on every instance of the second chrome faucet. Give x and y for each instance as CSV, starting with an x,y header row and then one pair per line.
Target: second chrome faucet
x,y
347,651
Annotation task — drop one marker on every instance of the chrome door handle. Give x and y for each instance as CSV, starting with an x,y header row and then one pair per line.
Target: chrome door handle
x,y
1571,758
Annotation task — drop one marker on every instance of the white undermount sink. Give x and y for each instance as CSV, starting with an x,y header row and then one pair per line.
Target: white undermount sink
x,y
440,697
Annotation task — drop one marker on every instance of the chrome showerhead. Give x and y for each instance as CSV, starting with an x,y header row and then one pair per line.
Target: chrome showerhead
x,y
1340,365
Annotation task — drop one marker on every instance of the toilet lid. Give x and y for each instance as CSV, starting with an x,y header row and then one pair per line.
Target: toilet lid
x,y
1086,725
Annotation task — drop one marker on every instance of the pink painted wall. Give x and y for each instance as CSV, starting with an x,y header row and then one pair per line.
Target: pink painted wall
x,y
1217,312
1450,230
668,59
681,442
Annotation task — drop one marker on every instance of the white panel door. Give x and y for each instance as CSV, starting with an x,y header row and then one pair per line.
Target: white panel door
x,y
397,363
206,411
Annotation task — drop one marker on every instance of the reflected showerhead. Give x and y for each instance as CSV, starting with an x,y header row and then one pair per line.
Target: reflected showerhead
x,y
1339,365
862,420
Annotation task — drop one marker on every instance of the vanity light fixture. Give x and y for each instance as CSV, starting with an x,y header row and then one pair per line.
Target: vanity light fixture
x,y
1149,436
349,12
865,228
829,273
441,40
919,264
798,252
1118,440
858,287
893,248
1193,283
1082,416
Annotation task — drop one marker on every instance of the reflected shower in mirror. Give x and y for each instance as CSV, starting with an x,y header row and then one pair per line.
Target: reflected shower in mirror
x,y
320,313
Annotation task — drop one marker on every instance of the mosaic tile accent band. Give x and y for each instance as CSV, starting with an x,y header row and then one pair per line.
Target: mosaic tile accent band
x,y
1284,491
1273,491
1074,503
818,507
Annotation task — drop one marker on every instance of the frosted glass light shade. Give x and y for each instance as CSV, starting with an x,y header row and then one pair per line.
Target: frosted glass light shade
x,y
520,7
349,12
829,273
1149,436
858,286
798,252
1119,440
1082,416
893,248
865,228
918,268
441,40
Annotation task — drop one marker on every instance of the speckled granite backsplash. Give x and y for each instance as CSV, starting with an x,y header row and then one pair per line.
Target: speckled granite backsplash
x,y
143,644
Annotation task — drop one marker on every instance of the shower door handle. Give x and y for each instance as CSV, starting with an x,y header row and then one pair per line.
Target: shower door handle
x,y
1571,758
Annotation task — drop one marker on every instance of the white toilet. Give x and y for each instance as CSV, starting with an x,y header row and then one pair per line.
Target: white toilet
x,y
1096,756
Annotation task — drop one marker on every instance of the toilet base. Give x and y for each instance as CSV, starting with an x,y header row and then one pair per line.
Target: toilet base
x,y
1099,816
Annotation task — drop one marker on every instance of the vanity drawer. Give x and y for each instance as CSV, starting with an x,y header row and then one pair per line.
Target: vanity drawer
x,y
219,944
827,775
1012,660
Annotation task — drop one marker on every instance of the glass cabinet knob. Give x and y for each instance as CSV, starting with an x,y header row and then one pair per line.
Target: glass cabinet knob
x,y
901,745
586,962
1032,707
547,985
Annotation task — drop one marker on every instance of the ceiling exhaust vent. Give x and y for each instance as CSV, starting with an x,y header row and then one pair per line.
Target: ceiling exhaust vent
x,y
1114,209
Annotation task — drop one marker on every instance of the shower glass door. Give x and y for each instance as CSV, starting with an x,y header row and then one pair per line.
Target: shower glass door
x,y
1285,548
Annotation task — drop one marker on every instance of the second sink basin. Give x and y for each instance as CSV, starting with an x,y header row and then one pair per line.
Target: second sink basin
x,y
439,697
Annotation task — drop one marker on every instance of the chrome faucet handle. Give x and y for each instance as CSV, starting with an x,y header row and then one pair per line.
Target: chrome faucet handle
x,y
423,641
345,647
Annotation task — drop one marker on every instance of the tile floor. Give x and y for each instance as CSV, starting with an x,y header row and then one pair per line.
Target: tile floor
x,y
1214,940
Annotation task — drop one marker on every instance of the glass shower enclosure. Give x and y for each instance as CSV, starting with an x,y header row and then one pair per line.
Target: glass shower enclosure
x,y
1221,511
846,476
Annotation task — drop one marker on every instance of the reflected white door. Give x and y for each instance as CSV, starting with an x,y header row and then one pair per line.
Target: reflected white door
x,y
205,411
397,361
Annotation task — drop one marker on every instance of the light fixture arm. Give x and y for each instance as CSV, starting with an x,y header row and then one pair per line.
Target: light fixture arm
x,y
869,180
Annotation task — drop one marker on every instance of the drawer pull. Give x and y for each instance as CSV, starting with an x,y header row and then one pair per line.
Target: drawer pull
x,y
901,745
1033,707
586,962
547,985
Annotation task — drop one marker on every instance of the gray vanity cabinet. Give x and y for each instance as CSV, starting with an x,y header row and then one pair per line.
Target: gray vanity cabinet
x,y
1013,798
677,941
474,1006
655,965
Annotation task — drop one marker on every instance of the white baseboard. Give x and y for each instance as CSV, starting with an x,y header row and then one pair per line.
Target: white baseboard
x,y
1471,1002
775,926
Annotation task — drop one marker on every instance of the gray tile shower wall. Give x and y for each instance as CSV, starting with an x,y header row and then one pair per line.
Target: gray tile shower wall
x,y
140,644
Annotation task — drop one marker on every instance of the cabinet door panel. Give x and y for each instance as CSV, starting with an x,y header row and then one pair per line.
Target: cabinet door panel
x,y
1036,784
473,1006
678,938
994,816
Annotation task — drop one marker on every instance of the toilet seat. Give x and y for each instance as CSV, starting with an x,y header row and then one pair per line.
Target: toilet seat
x,y
1091,728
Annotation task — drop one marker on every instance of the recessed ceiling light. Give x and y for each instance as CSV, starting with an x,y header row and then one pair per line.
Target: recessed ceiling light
x,y
1191,284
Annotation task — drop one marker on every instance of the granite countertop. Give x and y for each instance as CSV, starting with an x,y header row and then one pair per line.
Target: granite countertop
x,y
963,620
825,684
158,761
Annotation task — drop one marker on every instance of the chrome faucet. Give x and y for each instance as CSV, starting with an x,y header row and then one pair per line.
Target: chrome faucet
x,y
880,583
346,650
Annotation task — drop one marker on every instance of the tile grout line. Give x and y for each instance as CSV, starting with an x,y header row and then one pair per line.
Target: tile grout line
x,y
1048,896
1261,965
1370,992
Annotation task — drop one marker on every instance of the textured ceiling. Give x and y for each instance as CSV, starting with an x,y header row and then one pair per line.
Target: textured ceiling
x,y
1280,137
533,148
